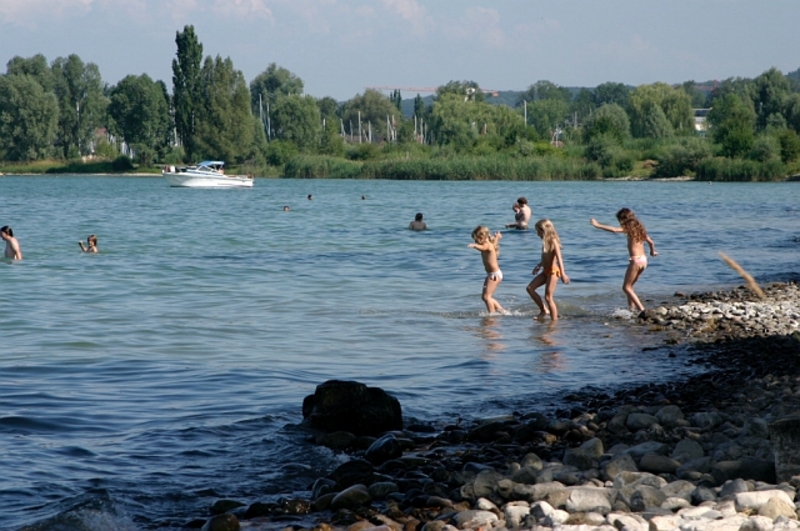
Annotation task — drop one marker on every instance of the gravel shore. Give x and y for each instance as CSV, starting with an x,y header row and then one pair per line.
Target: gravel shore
x,y
715,451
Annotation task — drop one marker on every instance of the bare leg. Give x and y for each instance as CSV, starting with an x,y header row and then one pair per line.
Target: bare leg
x,y
531,289
549,290
631,276
489,286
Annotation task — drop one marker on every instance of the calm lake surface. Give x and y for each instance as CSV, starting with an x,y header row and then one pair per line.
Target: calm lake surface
x,y
139,385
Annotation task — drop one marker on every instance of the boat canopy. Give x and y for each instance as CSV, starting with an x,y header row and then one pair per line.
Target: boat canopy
x,y
211,163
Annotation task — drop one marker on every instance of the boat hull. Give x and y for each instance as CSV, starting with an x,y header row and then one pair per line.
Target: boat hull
x,y
189,180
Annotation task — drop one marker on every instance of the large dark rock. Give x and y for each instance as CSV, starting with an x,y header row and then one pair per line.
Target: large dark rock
x,y
352,406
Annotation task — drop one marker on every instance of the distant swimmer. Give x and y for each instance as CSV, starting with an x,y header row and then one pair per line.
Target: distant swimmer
x,y
286,208
637,263
12,245
91,244
526,212
363,197
552,266
310,197
489,246
519,217
417,224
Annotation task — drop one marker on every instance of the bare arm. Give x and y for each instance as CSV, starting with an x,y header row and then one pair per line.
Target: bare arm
x,y
564,277
82,247
485,246
608,228
652,246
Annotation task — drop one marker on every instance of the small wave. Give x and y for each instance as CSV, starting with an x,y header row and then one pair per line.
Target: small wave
x,y
93,511
622,313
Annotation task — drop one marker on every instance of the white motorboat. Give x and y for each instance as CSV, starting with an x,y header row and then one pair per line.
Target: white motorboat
x,y
206,174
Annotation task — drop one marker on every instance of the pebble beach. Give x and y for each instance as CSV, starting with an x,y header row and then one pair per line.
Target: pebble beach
x,y
712,452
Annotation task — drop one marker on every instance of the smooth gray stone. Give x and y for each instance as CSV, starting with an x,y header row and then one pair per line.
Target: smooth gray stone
x,y
640,421
621,463
670,416
785,436
687,449
658,464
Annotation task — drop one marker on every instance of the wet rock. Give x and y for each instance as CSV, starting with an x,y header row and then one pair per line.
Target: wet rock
x,y
222,522
384,449
338,405
351,498
586,456
658,464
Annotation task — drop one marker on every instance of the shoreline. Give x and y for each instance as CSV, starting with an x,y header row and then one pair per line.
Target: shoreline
x,y
699,453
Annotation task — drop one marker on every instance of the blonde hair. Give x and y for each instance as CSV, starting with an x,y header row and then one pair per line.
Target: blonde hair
x,y
482,234
550,239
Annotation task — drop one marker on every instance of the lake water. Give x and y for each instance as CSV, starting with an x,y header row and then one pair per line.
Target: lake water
x,y
139,385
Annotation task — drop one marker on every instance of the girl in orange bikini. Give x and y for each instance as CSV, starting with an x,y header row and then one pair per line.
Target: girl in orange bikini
x,y
637,263
552,266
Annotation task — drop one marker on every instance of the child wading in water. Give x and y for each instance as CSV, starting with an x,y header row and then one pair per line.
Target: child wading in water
x,y
552,266
489,246
637,263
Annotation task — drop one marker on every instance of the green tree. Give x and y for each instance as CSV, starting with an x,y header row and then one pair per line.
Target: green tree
x,y
373,107
296,119
331,142
583,105
187,88
139,110
793,112
328,109
696,97
771,96
610,92
397,100
420,111
547,115
790,145
35,66
609,120
460,124
675,104
545,90
226,126
271,84
28,118
655,123
732,124
79,90
468,90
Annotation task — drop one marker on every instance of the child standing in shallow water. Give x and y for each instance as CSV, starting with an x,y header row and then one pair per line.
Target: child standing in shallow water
x,y
489,246
637,262
552,266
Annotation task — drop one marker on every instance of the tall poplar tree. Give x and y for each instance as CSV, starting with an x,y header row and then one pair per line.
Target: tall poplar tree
x,y
79,90
187,88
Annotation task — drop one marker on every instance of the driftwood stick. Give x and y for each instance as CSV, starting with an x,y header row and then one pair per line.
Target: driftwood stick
x,y
751,283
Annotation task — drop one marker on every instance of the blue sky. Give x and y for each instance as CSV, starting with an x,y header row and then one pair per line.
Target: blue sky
x,y
339,47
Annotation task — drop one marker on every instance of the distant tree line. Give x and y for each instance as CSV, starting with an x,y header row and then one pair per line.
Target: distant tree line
x,y
63,110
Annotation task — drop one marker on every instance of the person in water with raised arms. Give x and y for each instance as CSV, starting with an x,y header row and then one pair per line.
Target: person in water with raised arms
x,y
637,261
489,246
552,266
91,244
12,245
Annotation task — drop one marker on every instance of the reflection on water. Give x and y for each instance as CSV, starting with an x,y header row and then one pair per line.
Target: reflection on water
x,y
551,358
